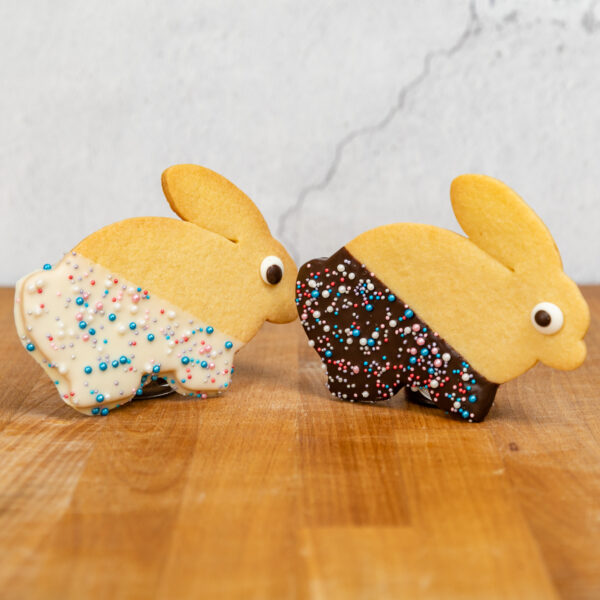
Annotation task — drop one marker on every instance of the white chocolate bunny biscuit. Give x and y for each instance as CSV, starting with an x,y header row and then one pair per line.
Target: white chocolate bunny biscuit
x,y
156,296
445,314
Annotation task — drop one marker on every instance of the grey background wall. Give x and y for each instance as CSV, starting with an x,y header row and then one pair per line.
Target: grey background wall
x,y
334,116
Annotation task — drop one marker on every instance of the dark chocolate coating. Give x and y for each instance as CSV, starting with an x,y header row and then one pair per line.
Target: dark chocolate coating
x,y
373,344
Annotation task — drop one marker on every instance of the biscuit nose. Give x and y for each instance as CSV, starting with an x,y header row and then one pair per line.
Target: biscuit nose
x,y
286,312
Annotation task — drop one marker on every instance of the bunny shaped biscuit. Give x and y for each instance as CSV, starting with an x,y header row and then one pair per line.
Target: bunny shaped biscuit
x,y
448,316
156,296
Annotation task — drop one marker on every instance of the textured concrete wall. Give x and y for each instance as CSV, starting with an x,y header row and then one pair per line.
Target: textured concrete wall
x,y
334,116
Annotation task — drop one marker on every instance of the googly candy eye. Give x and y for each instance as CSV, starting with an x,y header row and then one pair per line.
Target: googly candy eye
x,y
547,318
271,270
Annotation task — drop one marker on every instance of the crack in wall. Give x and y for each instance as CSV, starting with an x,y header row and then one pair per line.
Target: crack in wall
x,y
472,28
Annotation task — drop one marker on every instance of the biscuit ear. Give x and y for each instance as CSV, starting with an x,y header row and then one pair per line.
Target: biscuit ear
x,y
207,199
498,221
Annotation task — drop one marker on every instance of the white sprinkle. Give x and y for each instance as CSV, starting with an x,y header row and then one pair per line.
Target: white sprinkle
x,y
121,329
171,314
456,404
312,283
393,323
340,267
365,394
370,286
465,377
375,335
133,309
446,357
316,314
351,276
435,383
311,343
342,289
363,341
325,294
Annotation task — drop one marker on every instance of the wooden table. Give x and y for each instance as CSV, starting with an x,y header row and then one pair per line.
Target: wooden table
x,y
276,490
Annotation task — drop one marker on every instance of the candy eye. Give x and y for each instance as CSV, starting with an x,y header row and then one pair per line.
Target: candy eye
x,y
547,318
271,270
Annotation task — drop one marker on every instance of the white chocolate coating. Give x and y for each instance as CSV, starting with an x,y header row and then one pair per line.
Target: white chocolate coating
x,y
100,337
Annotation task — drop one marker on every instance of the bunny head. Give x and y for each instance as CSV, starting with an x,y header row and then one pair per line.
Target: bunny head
x,y
257,263
543,312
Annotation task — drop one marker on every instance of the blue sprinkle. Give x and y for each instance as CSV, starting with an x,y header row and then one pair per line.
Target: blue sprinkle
x,y
88,369
132,325
391,298
209,330
356,333
472,398
328,353
228,345
92,331
424,351
185,360
115,363
47,267
79,300
139,392
82,324
150,337
139,289
156,369
204,364
123,359
315,293
369,307
99,398
103,366
30,347
412,360
112,317
409,314
95,410
104,411
370,342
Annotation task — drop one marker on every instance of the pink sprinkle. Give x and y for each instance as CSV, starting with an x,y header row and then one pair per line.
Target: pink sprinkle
x,y
413,350
355,369
304,316
437,363
416,327
85,337
135,298
420,341
99,306
211,365
78,316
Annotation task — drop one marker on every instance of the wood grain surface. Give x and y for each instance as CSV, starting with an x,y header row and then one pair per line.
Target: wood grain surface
x,y
276,490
